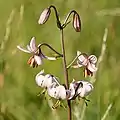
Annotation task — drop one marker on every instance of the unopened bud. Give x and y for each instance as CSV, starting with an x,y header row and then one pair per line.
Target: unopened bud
x,y
76,22
44,16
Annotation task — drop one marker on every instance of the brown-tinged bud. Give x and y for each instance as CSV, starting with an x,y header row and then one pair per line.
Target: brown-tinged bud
x,y
44,16
76,22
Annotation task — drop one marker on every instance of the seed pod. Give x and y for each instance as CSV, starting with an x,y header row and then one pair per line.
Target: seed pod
x,y
44,16
76,22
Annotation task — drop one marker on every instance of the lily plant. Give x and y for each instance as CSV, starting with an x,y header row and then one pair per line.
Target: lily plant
x,y
50,83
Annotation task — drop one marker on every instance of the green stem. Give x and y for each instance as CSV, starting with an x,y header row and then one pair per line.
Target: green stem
x,y
73,61
65,73
107,112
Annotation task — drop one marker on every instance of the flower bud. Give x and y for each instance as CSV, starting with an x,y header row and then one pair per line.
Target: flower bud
x,y
44,16
76,22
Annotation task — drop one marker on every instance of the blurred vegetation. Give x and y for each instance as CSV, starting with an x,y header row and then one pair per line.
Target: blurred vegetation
x,y
18,90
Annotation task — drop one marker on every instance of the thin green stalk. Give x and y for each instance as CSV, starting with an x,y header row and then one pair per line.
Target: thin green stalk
x,y
73,61
107,112
65,73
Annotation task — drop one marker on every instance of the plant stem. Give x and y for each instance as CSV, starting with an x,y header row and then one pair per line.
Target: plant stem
x,y
73,61
107,111
65,73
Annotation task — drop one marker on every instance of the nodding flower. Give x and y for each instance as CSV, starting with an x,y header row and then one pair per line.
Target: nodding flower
x,y
55,90
58,92
46,81
87,61
37,56
80,88
53,87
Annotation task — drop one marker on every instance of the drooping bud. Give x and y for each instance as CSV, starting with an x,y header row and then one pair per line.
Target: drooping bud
x,y
76,22
44,16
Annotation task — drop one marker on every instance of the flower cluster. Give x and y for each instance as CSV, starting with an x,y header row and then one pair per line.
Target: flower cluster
x,y
54,89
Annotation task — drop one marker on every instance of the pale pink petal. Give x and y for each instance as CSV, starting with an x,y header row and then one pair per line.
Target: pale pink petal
x,y
92,59
38,59
32,44
83,60
91,67
50,58
28,47
22,49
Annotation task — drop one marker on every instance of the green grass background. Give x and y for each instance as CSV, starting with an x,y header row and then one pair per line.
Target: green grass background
x,y
18,90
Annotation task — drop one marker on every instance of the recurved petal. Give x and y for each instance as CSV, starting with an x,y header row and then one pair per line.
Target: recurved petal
x,y
86,90
29,48
38,59
40,79
91,67
92,59
89,87
50,58
32,44
22,49
48,80
51,92
60,92
83,60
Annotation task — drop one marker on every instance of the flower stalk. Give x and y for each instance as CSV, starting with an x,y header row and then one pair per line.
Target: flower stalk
x,y
65,73
45,44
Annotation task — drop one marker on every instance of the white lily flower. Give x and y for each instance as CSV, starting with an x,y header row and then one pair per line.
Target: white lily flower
x,y
73,89
88,62
58,92
80,88
46,81
85,89
37,55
